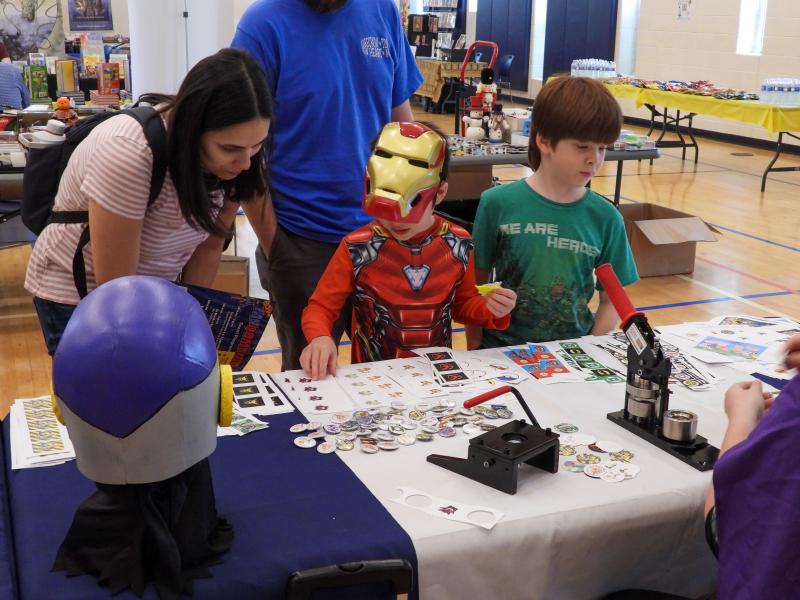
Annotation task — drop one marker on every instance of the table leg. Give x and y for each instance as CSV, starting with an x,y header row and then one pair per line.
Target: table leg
x,y
618,183
778,151
691,136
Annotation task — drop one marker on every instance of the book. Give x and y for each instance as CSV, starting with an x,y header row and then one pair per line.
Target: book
x,y
36,58
37,83
92,51
50,61
120,59
66,76
108,78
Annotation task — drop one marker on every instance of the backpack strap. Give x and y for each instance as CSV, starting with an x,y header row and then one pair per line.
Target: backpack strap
x,y
156,135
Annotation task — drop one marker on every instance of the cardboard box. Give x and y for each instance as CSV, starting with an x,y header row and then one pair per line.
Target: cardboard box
x,y
233,275
664,240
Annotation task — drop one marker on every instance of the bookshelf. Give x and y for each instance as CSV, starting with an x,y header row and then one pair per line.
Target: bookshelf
x,y
452,19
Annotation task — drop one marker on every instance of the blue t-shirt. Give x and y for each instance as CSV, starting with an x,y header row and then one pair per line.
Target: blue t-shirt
x,y
335,78
13,91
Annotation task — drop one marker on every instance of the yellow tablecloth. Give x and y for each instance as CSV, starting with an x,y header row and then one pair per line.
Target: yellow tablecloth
x,y
435,72
772,118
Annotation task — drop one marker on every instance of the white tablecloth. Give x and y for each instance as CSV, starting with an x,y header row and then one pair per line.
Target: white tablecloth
x,y
564,535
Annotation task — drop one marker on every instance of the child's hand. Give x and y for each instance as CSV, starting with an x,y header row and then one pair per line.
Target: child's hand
x,y
319,357
745,403
501,301
793,352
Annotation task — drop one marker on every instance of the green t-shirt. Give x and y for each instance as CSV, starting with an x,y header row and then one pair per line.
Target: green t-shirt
x,y
547,252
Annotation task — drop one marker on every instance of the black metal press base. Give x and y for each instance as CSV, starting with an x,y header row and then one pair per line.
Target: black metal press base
x,y
494,457
698,454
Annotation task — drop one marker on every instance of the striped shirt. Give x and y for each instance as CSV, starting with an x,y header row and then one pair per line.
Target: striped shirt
x,y
112,167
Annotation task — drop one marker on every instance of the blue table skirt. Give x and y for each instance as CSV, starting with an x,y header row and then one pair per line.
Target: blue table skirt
x,y
291,509
8,588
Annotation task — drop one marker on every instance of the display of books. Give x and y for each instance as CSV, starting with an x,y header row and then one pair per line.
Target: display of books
x,y
108,79
66,76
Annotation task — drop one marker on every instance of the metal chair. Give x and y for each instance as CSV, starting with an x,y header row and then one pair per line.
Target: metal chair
x,y
502,76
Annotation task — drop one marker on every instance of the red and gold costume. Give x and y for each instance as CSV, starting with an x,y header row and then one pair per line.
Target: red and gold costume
x,y
405,293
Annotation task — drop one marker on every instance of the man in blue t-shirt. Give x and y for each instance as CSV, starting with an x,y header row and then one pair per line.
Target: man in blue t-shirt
x,y
339,71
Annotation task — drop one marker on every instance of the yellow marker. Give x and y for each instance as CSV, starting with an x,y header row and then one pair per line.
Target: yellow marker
x,y
488,287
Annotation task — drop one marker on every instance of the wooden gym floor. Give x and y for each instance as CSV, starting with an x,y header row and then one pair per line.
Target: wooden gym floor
x,y
751,269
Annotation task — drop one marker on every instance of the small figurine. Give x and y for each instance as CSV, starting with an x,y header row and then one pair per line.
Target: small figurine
x,y
499,129
487,89
64,112
475,120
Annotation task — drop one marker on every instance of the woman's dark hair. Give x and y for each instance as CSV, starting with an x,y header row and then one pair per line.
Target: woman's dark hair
x,y
224,89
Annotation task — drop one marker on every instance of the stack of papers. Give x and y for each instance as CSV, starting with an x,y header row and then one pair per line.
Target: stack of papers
x,y
37,438
745,343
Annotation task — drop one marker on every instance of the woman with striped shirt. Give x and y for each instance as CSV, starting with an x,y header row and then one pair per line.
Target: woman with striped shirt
x,y
216,126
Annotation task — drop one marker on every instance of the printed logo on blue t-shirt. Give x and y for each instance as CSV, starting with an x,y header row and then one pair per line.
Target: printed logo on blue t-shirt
x,y
375,47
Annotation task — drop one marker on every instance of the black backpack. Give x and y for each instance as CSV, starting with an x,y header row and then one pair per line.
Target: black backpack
x,y
45,166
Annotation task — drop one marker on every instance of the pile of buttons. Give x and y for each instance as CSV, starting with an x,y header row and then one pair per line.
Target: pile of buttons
x,y
390,427
598,459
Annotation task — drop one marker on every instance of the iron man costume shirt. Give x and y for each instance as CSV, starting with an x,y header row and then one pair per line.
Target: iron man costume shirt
x,y
406,294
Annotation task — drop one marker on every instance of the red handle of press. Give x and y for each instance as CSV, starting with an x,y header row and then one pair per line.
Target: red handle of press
x,y
613,288
486,396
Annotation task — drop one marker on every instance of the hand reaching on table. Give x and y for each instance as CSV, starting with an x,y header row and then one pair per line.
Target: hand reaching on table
x,y
319,357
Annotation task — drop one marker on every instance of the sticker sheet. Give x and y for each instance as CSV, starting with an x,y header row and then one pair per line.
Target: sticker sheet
x,y
257,394
369,386
37,438
541,363
316,397
415,375
560,362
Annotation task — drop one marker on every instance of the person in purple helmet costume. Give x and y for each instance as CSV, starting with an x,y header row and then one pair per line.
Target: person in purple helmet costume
x,y
753,505
137,382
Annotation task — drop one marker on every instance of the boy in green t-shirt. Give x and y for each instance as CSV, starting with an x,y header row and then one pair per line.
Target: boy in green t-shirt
x,y
543,236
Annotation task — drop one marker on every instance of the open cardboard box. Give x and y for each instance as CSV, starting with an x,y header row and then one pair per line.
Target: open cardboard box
x,y
664,240
233,275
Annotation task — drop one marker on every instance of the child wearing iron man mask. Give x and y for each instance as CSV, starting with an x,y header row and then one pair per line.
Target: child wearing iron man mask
x,y
410,271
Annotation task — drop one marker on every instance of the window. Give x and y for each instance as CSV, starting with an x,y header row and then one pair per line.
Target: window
x,y
539,29
472,6
628,31
752,19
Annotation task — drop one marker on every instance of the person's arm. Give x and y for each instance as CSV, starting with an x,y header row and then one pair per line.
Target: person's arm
x,y
336,284
606,318
24,93
261,215
202,267
474,333
403,112
115,243
745,403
